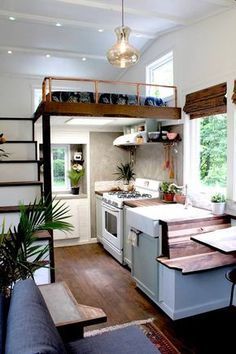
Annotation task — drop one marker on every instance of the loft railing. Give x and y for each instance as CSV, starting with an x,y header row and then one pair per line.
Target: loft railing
x,y
48,83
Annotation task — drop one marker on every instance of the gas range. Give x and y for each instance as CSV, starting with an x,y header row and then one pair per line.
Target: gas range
x,y
117,198
144,189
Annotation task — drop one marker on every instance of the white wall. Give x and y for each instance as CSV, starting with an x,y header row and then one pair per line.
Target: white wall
x,y
204,55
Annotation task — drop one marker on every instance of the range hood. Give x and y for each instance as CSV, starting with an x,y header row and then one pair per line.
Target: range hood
x,y
130,139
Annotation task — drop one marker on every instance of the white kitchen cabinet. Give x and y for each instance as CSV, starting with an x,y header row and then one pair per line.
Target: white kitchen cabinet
x,y
99,217
127,246
79,211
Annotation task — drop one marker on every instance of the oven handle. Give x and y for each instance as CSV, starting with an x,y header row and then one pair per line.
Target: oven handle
x,y
110,208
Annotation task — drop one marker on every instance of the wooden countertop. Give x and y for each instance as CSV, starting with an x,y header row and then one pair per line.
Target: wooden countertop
x,y
143,202
222,240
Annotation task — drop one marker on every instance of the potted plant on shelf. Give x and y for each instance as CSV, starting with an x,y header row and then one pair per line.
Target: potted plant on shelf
x,y
125,172
218,204
168,190
75,174
20,254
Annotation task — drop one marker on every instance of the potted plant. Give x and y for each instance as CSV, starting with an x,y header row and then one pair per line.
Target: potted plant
x,y
20,255
125,172
168,190
74,174
218,204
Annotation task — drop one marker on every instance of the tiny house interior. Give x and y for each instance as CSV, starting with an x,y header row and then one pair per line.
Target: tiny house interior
x,y
142,156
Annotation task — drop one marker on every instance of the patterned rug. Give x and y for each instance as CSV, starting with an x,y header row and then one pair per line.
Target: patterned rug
x,y
152,332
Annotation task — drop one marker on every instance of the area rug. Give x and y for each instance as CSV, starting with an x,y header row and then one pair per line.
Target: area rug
x,y
148,327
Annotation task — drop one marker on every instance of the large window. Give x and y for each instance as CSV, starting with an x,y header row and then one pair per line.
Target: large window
x,y
209,153
60,166
161,73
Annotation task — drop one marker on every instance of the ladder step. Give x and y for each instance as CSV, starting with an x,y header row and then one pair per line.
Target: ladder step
x,y
21,183
20,150
19,171
20,161
17,128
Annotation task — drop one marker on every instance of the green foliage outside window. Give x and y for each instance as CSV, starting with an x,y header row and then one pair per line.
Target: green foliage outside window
x,y
213,154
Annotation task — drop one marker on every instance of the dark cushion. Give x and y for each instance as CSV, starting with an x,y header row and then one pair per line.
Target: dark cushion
x,y
30,328
3,321
129,340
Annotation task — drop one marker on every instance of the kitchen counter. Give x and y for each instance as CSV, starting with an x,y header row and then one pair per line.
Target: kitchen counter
x,y
184,278
143,202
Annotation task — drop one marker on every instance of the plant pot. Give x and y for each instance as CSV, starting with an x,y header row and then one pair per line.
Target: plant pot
x,y
179,198
75,190
218,208
168,197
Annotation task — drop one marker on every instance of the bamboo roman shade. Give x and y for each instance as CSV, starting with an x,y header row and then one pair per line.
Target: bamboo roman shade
x,y
209,101
234,94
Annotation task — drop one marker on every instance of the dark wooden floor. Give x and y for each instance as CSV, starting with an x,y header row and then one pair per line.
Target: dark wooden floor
x,y
96,279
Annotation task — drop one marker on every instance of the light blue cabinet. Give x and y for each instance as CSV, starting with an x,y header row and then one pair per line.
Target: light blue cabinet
x,y
145,268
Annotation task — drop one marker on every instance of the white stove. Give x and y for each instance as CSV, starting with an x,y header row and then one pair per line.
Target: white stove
x,y
112,213
144,189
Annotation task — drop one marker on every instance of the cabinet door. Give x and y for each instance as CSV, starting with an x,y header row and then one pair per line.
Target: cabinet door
x,y
127,245
79,211
99,217
145,266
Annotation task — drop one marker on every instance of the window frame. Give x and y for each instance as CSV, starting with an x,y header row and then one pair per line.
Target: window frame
x,y
162,60
67,186
194,158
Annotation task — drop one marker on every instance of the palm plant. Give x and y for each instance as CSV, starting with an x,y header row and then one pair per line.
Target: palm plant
x,y
20,255
75,173
125,172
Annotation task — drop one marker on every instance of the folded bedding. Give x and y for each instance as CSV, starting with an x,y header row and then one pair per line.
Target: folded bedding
x,y
106,98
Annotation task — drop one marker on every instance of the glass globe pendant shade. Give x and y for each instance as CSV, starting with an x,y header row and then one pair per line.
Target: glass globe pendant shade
x,y
122,54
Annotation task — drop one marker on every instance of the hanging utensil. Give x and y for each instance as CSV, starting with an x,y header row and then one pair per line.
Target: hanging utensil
x,y
172,171
168,157
165,157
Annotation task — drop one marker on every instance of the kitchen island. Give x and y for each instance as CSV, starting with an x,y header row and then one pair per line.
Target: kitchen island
x,y
181,276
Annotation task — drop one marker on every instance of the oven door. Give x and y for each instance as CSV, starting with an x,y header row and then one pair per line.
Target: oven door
x,y
112,225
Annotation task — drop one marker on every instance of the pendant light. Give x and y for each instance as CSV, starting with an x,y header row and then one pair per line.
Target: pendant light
x,y
122,54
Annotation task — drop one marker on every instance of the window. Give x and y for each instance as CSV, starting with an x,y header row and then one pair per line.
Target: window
x,y
209,153
60,166
161,73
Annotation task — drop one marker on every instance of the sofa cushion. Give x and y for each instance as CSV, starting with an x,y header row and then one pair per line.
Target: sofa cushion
x,y
129,340
30,328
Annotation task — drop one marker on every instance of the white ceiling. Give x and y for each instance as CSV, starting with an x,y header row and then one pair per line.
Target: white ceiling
x,y
34,33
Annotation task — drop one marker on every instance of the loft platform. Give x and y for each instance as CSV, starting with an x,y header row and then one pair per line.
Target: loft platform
x,y
95,103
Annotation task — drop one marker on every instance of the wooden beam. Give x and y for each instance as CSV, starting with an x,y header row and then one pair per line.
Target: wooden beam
x,y
128,10
107,110
51,21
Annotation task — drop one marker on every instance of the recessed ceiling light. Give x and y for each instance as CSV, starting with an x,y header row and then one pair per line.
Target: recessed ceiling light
x,y
48,55
101,30
11,18
92,121
58,24
9,51
84,59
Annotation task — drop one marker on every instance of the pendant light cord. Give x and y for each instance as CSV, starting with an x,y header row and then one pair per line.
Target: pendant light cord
x,y
122,13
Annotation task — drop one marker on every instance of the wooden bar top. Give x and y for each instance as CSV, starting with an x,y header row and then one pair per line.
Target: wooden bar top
x,y
222,240
143,202
199,262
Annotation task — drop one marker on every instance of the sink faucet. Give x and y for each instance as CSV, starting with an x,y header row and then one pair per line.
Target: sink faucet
x,y
187,199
